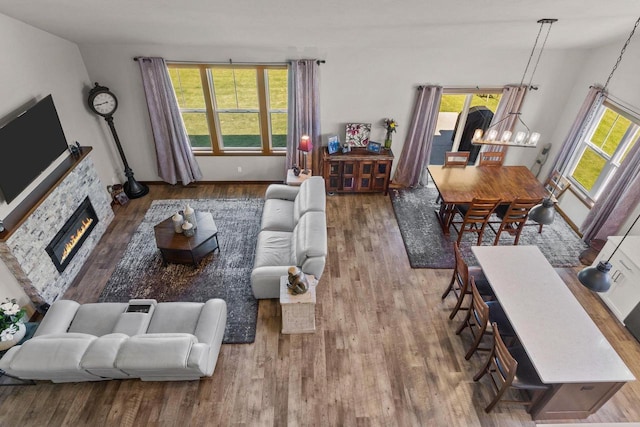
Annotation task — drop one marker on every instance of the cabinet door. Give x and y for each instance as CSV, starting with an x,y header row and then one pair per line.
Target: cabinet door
x,y
348,175
365,175
381,175
625,291
332,175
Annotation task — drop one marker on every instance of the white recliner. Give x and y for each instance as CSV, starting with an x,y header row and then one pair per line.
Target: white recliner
x,y
293,233
140,339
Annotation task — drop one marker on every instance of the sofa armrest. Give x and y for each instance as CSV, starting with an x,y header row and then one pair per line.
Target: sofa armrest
x,y
281,191
212,321
58,318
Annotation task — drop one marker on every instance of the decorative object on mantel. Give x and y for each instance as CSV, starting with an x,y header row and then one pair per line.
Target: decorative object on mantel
x,y
297,281
390,125
104,103
12,328
521,138
597,278
357,134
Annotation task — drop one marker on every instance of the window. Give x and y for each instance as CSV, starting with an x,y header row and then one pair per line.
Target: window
x,y
609,138
233,109
462,111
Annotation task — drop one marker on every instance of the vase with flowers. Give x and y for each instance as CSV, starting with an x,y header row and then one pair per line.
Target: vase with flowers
x,y
390,125
12,328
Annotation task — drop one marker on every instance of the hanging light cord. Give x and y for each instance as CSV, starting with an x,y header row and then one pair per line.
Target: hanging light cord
x,y
535,44
621,54
235,85
624,237
541,49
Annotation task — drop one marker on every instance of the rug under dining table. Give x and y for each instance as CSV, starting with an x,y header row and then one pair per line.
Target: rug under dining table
x,y
428,247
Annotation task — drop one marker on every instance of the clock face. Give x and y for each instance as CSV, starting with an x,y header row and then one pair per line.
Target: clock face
x,y
104,103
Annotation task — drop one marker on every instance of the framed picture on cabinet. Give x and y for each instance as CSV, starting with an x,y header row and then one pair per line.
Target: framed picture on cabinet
x,y
357,134
374,147
334,144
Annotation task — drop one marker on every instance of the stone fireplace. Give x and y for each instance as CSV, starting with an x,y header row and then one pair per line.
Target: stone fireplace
x,y
72,235
26,251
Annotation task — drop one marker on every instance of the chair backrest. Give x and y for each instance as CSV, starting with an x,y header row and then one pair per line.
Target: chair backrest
x,y
480,210
456,158
491,158
557,184
518,211
503,365
479,308
461,269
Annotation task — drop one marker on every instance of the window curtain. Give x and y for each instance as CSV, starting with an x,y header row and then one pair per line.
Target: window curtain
x,y
590,105
510,102
176,161
618,199
304,111
417,144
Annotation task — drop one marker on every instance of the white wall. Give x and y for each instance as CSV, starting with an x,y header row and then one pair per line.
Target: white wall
x,y
356,85
35,65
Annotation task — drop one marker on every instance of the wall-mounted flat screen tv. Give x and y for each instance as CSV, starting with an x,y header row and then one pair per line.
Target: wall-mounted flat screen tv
x,y
28,145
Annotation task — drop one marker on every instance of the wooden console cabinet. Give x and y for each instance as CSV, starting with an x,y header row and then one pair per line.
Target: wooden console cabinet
x,y
358,171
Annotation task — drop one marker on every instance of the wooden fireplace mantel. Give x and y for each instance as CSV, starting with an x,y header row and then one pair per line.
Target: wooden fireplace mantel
x,y
25,208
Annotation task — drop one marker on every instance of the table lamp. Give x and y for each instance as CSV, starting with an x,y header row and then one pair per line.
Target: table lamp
x,y
305,146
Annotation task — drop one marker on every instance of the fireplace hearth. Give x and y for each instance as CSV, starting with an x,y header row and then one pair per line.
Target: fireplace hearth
x,y
73,233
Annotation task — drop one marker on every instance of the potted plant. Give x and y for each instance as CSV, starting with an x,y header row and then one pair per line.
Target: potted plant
x,y
12,328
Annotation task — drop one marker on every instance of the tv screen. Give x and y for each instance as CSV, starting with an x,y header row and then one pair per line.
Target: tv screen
x,y
28,145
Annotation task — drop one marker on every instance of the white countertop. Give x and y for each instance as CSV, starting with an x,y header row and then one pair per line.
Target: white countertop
x,y
562,341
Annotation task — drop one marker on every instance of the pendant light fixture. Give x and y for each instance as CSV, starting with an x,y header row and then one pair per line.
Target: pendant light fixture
x,y
521,138
545,212
597,278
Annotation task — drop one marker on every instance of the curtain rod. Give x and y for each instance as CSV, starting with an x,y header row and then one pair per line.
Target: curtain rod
x,y
137,58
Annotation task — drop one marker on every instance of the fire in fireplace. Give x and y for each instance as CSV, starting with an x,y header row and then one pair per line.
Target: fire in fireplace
x,y
74,232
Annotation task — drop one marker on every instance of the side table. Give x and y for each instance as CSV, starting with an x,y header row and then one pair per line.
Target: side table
x,y
296,180
298,311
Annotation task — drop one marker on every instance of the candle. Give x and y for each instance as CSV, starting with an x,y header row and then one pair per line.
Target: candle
x,y
190,215
492,135
188,229
506,136
177,222
477,135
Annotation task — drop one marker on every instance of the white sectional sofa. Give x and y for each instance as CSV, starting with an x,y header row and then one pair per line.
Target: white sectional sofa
x,y
293,233
140,339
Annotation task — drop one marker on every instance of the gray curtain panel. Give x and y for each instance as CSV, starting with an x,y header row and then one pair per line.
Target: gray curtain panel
x,y
176,161
591,103
617,201
304,111
510,102
417,144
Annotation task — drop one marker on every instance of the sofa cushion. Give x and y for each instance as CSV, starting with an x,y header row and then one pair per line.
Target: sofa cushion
x,y
58,318
97,318
274,248
100,357
310,237
150,352
277,215
311,198
175,317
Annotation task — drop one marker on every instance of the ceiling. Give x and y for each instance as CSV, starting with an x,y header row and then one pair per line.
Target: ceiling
x,y
324,24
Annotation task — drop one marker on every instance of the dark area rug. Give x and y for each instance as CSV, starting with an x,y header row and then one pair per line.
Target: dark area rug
x,y
224,274
428,247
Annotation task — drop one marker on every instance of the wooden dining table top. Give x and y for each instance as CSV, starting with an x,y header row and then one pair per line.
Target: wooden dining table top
x,y
458,185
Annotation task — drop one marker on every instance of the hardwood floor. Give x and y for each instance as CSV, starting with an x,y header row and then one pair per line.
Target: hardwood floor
x,y
384,352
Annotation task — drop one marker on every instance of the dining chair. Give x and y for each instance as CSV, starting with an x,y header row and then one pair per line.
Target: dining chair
x,y
556,185
456,158
480,315
491,158
513,218
475,217
510,369
459,283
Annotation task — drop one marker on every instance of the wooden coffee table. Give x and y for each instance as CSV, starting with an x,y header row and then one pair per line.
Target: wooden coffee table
x,y
179,249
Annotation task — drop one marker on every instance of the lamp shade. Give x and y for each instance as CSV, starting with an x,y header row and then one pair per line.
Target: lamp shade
x,y
305,144
596,278
543,213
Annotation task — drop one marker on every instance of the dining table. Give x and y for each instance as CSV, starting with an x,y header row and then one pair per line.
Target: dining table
x,y
460,185
565,346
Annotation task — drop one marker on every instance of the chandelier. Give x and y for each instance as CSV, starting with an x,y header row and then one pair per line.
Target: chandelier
x,y
520,138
